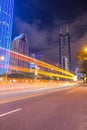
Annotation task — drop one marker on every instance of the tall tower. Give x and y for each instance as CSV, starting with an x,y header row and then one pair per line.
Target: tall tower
x,y
64,50
6,21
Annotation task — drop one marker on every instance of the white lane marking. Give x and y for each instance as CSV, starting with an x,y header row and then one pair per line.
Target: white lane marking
x,y
4,114
72,90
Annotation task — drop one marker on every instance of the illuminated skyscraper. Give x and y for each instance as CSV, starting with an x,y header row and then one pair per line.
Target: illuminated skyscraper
x,y
64,50
6,21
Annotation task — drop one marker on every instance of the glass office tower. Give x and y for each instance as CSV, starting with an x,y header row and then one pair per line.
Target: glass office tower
x,y
6,21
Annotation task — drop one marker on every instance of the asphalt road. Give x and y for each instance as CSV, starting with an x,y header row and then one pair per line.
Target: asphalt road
x,y
60,110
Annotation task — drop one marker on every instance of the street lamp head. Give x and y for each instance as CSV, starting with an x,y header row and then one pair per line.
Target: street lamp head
x,y
85,49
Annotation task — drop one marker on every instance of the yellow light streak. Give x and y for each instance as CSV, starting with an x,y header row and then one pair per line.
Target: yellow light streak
x,y
41,63
22,69
65,74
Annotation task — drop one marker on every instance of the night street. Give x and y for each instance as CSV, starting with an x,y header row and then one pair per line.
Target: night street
x,y
43,65
60,110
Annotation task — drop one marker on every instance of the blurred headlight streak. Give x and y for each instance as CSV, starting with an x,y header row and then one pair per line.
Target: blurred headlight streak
x,y
58,71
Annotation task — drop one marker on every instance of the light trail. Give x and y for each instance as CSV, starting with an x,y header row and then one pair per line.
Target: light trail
x,y
41,63
22,69
65,74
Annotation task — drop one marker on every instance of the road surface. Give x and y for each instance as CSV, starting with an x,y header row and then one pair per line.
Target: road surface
x,y
59,110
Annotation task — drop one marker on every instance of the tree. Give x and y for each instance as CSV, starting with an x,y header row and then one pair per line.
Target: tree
x,y
82,58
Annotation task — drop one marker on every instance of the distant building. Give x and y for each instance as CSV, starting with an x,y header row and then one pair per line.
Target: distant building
x,y
32,64
20,44
38,57
64,51
35,56
6,22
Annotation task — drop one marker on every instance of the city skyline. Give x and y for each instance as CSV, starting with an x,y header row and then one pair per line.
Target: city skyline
x,y
43,21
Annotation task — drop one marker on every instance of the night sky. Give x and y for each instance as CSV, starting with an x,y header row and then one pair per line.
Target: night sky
x,y
41,19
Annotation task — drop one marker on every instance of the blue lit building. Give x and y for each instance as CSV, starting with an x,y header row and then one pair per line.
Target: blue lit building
x,y
6,21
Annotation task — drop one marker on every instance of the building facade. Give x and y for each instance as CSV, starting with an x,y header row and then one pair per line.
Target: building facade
x,y
64,51
6,21
20,45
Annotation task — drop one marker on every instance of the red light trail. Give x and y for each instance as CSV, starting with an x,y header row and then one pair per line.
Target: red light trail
x,y
59,72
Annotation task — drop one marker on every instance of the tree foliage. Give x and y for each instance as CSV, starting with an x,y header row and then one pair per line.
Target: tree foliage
x,y
84,67
82,56
82,59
